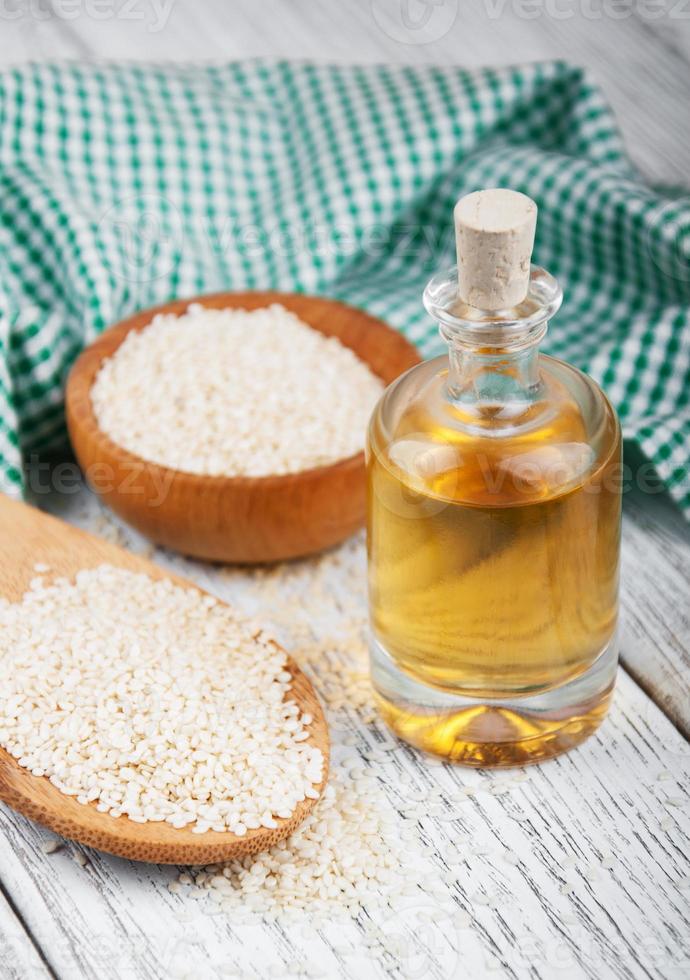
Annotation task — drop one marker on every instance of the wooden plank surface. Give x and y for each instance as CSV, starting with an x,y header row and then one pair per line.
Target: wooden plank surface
x,y
581,863
20,958
580,866
655,603
576,872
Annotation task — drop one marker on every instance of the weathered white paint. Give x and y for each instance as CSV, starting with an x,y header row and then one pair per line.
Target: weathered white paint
x,y
580,869
19,956
656,603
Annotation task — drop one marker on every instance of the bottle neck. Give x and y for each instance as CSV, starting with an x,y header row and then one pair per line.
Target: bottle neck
x,y
494,356
493,377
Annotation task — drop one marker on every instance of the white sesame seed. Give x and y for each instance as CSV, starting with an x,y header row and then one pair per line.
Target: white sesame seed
x,y
253,393
343,853
499,787
99,710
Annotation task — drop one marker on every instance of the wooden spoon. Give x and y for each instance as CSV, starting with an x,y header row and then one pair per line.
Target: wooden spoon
x,y
234,519
27,537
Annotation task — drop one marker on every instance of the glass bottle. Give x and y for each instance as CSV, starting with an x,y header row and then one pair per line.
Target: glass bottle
x,y
493,530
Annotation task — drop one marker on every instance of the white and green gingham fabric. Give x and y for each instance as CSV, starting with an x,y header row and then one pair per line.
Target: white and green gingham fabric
x,y
124,186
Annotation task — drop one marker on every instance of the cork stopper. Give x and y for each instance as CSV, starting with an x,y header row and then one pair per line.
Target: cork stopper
x,y
494,236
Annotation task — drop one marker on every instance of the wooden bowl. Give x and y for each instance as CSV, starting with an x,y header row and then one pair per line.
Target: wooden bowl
x,y
234,519
28,536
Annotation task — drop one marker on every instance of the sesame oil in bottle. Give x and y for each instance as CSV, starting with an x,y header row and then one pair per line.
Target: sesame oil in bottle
x,y
494,520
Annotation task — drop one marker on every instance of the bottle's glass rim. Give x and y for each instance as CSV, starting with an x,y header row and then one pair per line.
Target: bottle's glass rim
x,y
459,320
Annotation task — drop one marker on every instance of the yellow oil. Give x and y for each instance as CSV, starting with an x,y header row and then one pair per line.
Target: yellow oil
x,y
493,563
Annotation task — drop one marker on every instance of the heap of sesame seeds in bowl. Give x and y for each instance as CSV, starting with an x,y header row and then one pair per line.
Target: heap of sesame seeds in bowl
x,y
155,701
232,392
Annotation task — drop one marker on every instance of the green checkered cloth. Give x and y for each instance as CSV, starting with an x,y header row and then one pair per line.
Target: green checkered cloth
x,y
124,186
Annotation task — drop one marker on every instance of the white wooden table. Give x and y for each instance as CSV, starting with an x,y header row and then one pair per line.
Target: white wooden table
x,y
577,868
